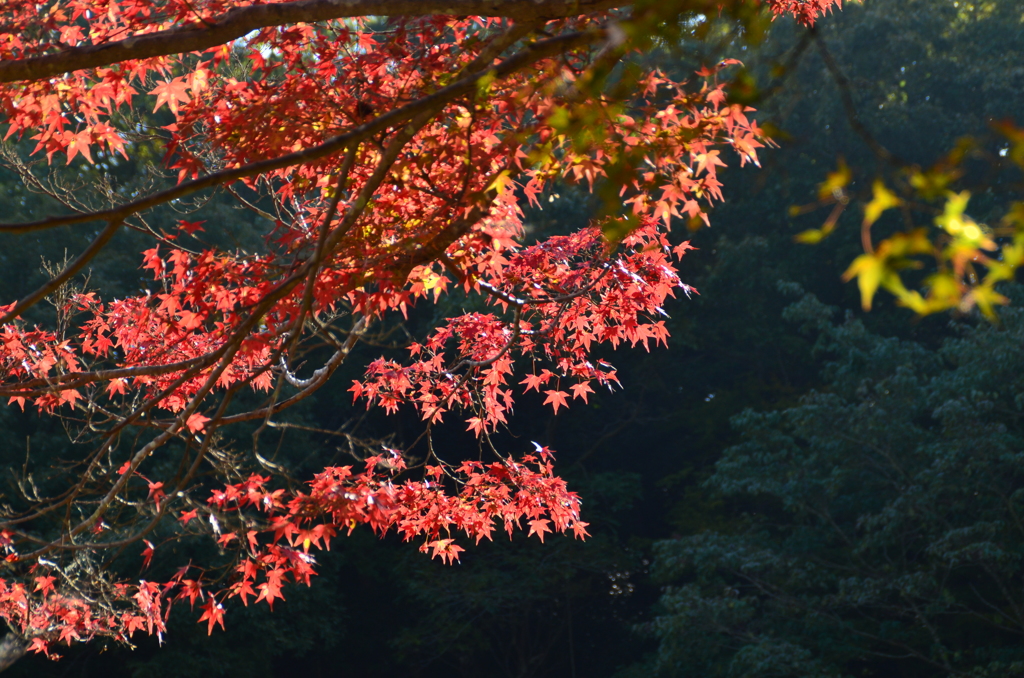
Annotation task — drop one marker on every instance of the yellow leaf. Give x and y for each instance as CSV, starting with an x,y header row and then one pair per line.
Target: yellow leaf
x,y
934,182
943,292
835,182
914,301
430,280
999,271
970,236
984,297
815,235
1013,255
868,270
483,83
810,237
952,218
559,118
501,183
881,200
1015,217
906,244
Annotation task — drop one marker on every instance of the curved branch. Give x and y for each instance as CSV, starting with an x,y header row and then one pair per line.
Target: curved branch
x,y
310,385
94,248
240,21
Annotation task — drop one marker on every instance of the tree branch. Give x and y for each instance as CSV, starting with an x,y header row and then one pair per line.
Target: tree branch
x,y
237,22
12,648
525,57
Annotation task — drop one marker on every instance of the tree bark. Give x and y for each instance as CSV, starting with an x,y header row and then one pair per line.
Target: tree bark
x,y
12,648
237,22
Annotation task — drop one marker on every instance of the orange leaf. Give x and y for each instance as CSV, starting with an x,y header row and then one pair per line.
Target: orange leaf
x,y
557,399
196,422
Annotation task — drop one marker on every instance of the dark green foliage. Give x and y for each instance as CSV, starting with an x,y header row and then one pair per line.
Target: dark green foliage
x,y
883,531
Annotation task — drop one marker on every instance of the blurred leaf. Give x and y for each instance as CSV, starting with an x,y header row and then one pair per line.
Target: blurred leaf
x,y
810,237
869,270
882,200
835,182
985,298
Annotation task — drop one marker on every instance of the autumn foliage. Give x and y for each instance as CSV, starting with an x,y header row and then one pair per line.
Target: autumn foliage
x,y
388,149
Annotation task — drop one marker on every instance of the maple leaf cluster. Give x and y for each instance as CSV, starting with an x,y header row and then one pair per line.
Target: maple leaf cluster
x,y
566,295
273,546
805,11
388,166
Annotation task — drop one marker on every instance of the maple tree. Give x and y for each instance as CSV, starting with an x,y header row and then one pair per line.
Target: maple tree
x,y
386,145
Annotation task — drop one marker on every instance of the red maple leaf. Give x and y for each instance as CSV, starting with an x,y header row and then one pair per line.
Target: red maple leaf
x,y
581,390
535,381
147,553
170,92
446,549
192,590
190,227
213,613
557,399
271,588
336,263
539,527
196,422
45,585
